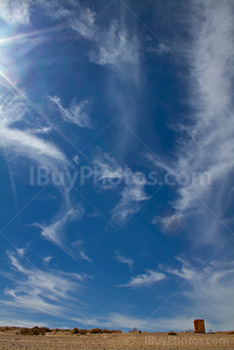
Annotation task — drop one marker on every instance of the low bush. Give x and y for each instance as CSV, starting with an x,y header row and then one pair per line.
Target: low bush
x,y
172,333
95,331
116,331
34,331
45,329
75,330
25,331
83,331
106,331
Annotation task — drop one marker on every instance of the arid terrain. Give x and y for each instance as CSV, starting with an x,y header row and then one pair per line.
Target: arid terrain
x,y
12,340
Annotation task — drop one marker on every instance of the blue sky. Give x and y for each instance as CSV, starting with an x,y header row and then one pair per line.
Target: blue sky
x,y
116,158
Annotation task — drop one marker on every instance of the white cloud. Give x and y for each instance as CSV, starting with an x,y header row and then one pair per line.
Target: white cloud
x,y
83,23
187,272
160,49
126,321
170,223
207,292
120,258
26,144
115,47
15,12
85,257
22,251
47,259
77,244
145,279
38,290
129,185
75,114
20,322
78,247
54,231
207,150
41,130
22,142
131,196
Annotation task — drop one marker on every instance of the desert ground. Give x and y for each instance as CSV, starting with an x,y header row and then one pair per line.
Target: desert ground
x,y
64,340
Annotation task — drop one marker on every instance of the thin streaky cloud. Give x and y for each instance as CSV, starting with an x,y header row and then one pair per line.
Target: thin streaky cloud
x,y
75,113
144,279
172,52
122,259
63,50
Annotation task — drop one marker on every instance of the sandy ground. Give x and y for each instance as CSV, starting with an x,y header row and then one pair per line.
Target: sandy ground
x,y
11,341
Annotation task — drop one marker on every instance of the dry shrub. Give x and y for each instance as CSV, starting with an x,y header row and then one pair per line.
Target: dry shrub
x,y
25,331
75,330
116,331
45,330
107,331
95,331
83,331
34,331
172,333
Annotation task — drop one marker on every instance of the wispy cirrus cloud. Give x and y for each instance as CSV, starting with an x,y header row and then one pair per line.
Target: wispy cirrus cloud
x,y
79,251
84,256
129,203
205,155
144,279
22,251
54,231
115,47
211,284
128,321
20,322
74,114
122,259
19,142
83,22
113,44
127,184
15,12
25,144
201,289
40,290
22,142
47,259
